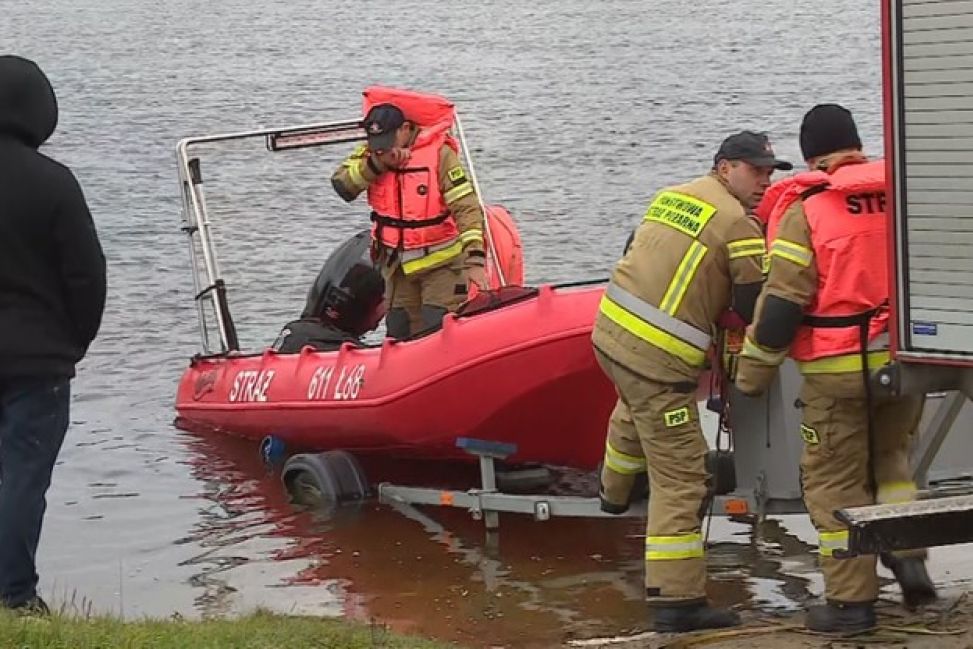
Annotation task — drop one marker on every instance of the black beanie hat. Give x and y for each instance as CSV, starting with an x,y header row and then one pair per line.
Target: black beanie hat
x,y
828,128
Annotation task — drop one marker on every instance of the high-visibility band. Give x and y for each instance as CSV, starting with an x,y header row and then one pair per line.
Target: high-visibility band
x,y
354,172
423,258
681,280
892,493
623,463
843,363
747,248
753,350
471,235
655,316
652,334
791,252
656,327
828,542
458,192
668,548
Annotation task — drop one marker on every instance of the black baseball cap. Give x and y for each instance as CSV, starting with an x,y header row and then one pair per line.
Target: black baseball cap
x,y
750,147
380,125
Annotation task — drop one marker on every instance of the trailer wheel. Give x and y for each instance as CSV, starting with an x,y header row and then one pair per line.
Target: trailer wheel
x,y
314,479
524,479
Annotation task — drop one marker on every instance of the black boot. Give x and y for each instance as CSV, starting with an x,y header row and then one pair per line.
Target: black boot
x,y
35,606
910,572
609,507
678,619
841,617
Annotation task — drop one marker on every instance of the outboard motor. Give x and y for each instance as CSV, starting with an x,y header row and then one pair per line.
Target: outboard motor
x,y
349,291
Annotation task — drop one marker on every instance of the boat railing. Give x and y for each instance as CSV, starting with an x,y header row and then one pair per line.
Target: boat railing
x,y
216,328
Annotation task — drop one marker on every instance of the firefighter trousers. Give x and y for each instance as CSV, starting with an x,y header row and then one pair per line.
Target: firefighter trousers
x,y
419,300
656,426
840,468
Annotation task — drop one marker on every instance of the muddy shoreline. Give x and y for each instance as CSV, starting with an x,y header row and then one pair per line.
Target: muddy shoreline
x,y
946,625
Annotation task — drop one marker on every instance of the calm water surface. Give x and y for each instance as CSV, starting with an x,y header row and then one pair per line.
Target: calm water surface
x,y
576,112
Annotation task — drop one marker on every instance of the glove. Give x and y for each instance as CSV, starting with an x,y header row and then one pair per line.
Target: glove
x,y
756,368
475,269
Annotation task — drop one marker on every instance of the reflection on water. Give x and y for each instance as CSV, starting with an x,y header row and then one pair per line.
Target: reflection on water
x,y
437,572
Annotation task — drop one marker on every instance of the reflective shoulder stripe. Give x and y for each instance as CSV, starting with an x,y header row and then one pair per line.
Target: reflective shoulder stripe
x,y
843,363
893,493
658,318
668,548
680,211
622,463
677,288
651,334
828,542
747,248
791,252
416,260
458,192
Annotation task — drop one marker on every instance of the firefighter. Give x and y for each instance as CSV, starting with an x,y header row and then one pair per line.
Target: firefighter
x,y
825,304
428,230
695,255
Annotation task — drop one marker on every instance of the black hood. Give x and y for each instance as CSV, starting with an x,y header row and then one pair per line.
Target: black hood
x,y
28,108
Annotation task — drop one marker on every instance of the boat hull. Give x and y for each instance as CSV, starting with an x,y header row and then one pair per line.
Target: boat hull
x,y
524,373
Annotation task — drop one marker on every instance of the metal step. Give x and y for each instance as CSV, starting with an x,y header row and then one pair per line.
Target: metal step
x,y
919,524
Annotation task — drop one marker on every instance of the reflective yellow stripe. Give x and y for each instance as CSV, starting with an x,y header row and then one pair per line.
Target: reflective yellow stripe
x,y
667,548
746,248
458,192
651,334
843,363
756,352
622,463
681,280
354,172
680,211
658,318
471,235
432,259
791,252
891,493
828,542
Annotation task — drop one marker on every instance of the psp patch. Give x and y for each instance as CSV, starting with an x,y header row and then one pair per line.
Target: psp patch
x,y
809,435
677,417
456,175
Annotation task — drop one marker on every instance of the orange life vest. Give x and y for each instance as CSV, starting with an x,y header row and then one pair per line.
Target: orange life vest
x,y
409,211
846,214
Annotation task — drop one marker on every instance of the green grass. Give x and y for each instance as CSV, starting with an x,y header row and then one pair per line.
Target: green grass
x,y
257,631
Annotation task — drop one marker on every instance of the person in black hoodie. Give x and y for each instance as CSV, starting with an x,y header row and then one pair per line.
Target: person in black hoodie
x,y
52,296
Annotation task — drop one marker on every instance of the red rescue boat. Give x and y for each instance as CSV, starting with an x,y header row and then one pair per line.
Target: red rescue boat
x,y
522,372
519,368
